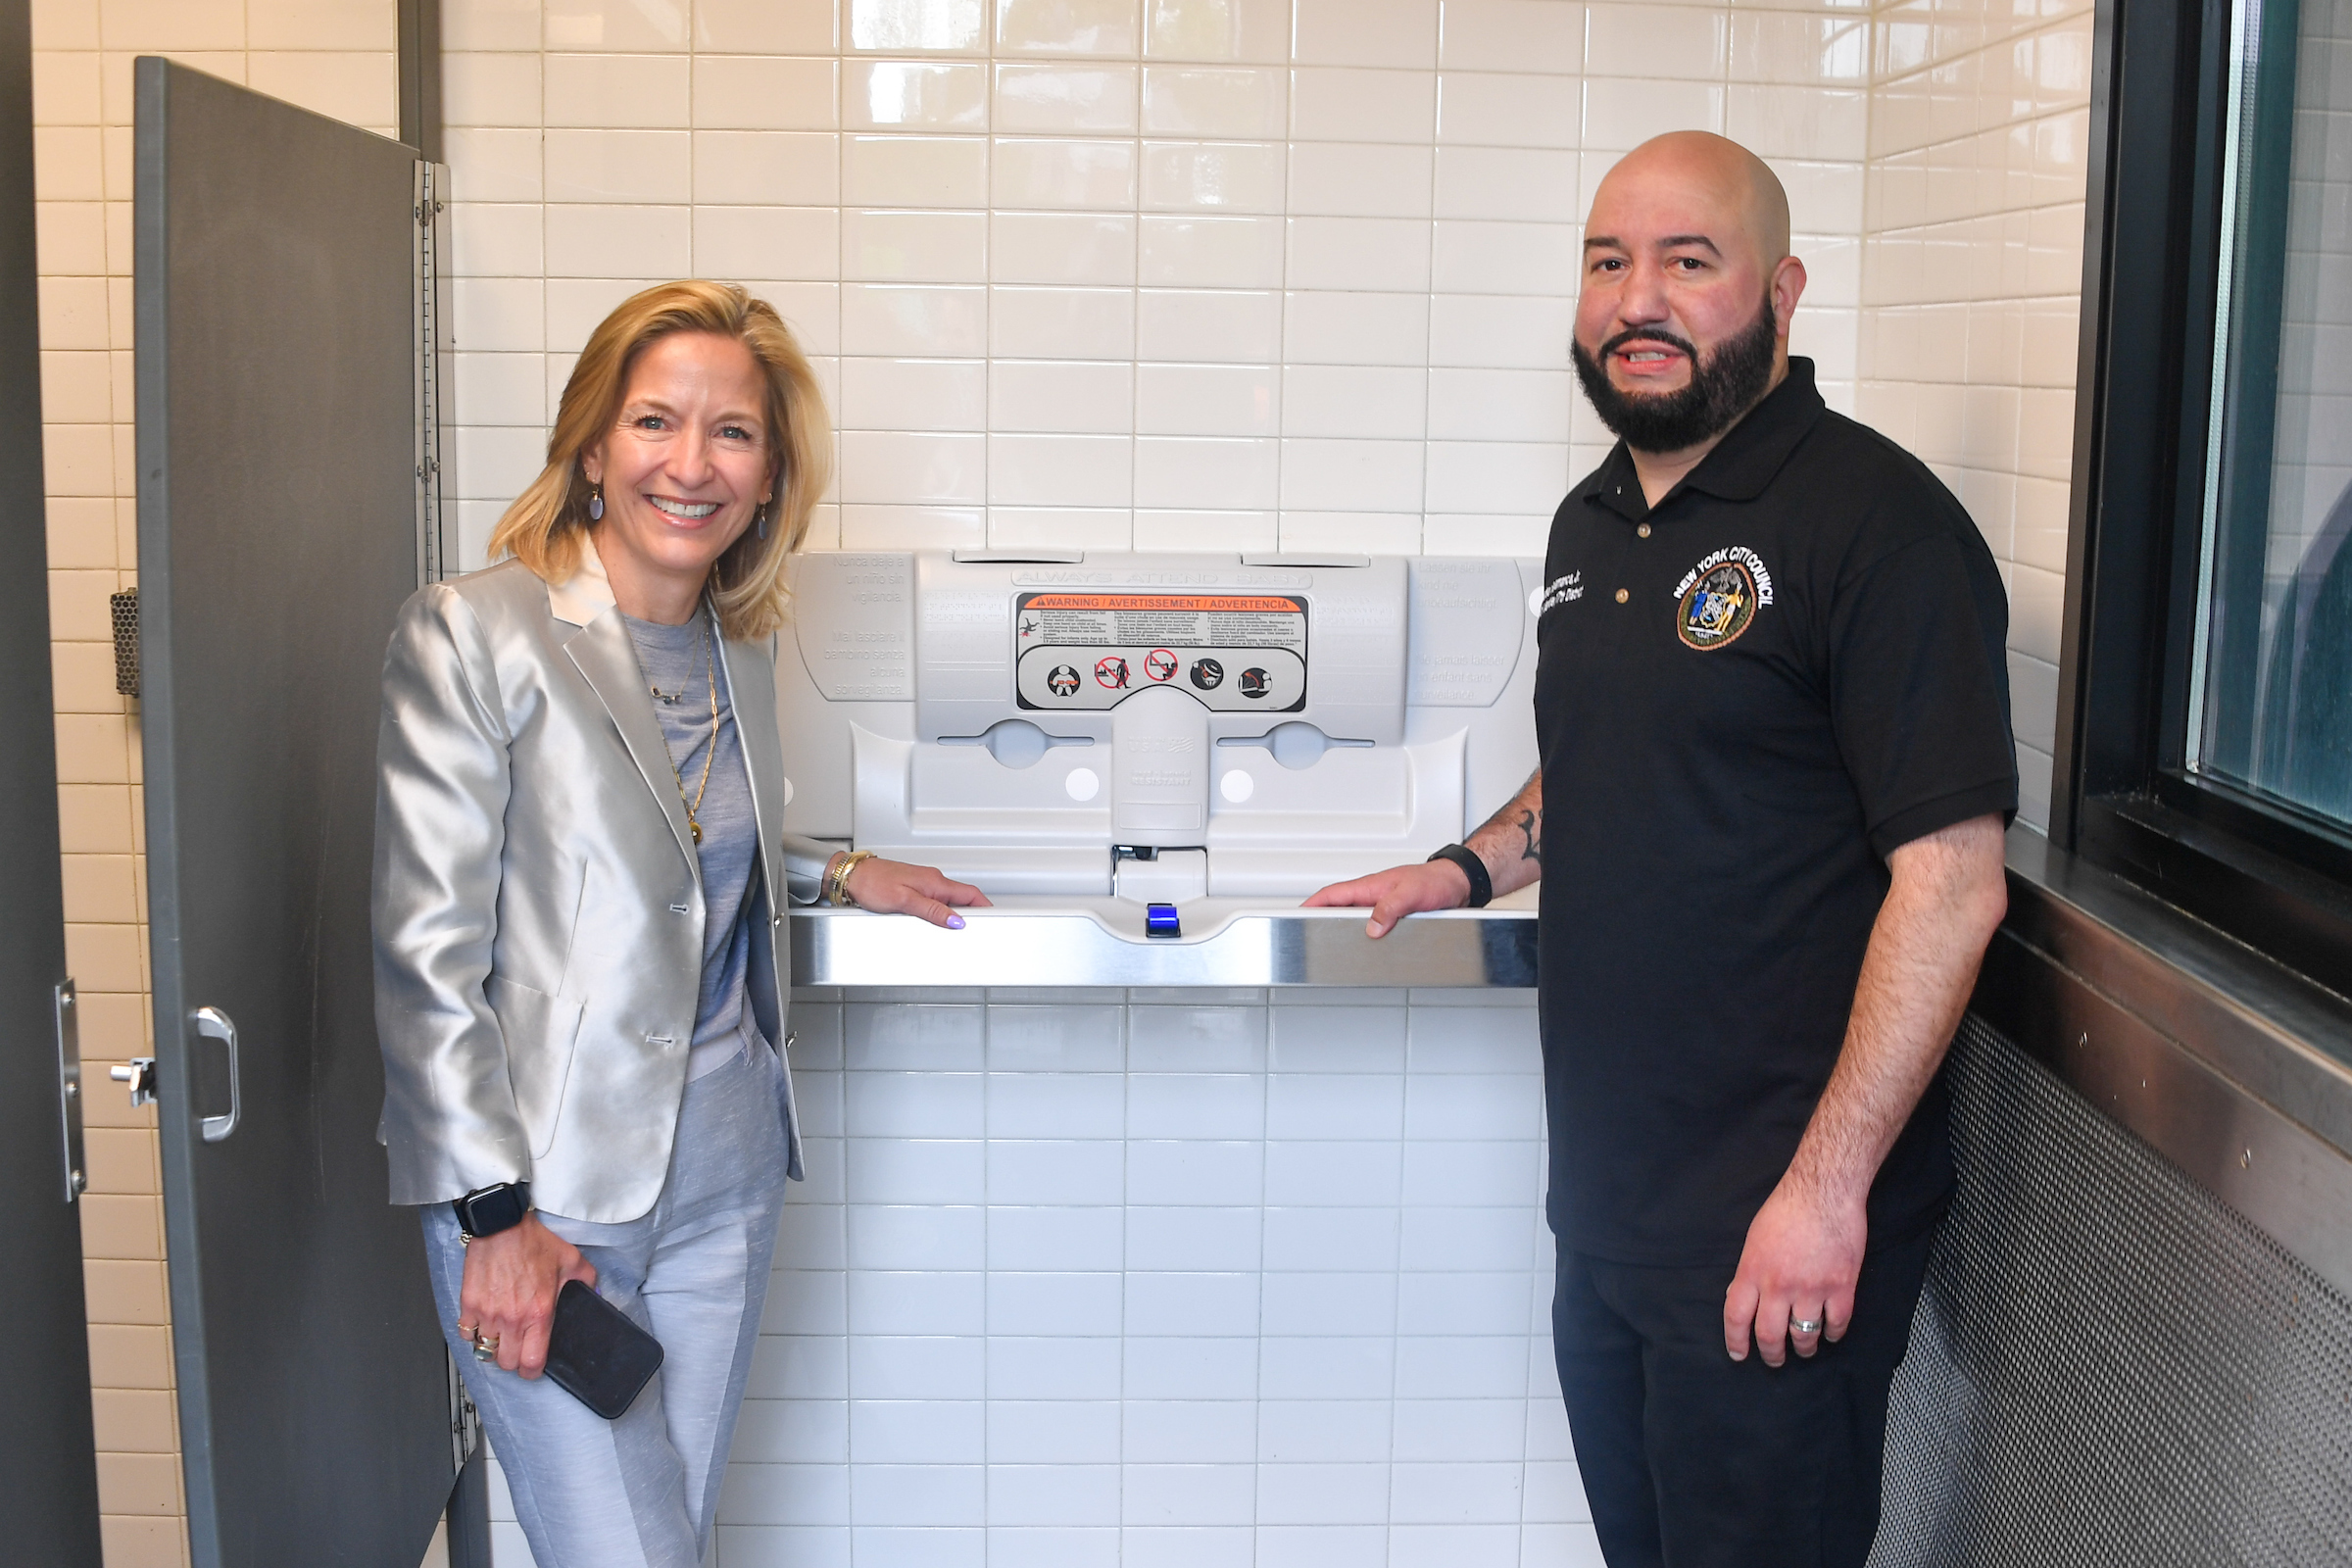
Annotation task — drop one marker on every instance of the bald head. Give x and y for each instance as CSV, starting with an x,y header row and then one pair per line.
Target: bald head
x,y
1702,174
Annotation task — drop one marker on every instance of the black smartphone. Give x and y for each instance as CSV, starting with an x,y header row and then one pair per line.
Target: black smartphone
x,y
596,1355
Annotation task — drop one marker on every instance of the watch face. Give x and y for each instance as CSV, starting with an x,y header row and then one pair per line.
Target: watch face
x,y
488,1213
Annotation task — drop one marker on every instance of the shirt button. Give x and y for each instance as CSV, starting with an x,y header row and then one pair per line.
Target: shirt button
x,y
1623,596
1643,530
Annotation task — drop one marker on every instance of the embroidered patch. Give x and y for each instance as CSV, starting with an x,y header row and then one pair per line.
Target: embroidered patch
x,y
1718,599
1562,590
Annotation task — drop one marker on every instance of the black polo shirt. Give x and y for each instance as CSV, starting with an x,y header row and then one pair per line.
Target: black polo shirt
x,y
1745,698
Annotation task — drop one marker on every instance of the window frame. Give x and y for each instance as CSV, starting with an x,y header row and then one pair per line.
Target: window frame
x,y
2122,796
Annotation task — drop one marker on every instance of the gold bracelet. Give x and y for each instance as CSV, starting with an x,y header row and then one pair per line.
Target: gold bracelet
x,y
837,885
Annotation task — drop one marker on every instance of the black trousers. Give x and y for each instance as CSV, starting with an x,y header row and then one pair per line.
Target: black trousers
x,y
1693,1461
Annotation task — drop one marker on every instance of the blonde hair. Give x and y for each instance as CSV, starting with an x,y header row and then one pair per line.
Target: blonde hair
x,y
544,526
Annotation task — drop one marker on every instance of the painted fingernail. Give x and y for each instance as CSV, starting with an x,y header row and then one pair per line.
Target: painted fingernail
x,y
954,922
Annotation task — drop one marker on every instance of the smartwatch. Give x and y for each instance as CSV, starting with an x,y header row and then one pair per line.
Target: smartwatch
x,y
487,1210
1482,886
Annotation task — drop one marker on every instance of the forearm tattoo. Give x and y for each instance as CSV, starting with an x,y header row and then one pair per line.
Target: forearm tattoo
x,y
1530,824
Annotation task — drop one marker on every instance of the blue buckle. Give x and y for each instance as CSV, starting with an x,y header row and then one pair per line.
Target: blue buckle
x,y
1159,920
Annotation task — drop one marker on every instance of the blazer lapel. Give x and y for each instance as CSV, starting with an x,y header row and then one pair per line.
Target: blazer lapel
x,y
607,660
750,686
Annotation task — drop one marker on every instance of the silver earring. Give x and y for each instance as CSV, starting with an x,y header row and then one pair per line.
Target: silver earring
x,y
596,505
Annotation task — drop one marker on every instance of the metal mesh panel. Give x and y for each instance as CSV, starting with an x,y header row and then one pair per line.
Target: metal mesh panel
x,y
123,609
2108,1365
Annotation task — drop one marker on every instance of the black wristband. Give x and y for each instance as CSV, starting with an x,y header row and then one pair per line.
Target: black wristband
x,y
487,1210
1482,886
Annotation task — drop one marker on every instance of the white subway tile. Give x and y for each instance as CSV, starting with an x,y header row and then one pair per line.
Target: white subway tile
x,y
1369,533
1176,473
1352,476
1192,1367
913,95
915,171
918,1367
1621,114
1060,397
1243,176
752,1493
613,25
1217,29
884,1432
1525,259
1326,1367
1189,1304
1481,110
1219,399
753,92
1333,328
1468,405
1061,1495
617,91
1650,41
1201,252
920,27
1063,99
1345,180
485,313
1091,248
1329,1303
1365,33
1062,324
1472,1173
1795,48
800,1366
492,240
1046,1105
1515,35
1360,254
917,1494
1500,182
766,242
464,24
1053,1431
1494,331
1177,324
765,27
1472,1366
1083,174
903,469
1188,1431
915,246
1068,27
1060,470
617,165
485,89
1797,122
1055,1171
494,166
925,1302
1455,1494
634,241
1189,1495
1054,1368
1527,478
1366,106
896,320
1234,102
1324,1494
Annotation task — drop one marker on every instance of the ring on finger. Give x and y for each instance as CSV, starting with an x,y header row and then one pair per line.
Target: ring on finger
x,y
1804,1325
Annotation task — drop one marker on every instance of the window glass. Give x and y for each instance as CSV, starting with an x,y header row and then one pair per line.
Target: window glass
x,y
2271,695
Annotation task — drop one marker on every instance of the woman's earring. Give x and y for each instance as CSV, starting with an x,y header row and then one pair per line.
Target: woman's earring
x,y
596,504
760,517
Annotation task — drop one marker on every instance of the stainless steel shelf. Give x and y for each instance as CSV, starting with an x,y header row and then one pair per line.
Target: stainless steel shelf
x,y
1101,942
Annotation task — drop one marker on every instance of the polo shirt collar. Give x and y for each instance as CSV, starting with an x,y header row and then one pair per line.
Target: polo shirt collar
x,y
1741,466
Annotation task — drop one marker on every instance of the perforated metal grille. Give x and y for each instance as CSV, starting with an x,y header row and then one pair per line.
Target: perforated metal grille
x,y
2108,1365
124,608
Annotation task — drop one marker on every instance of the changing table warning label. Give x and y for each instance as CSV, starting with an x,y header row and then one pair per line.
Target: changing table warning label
x,y
1230,651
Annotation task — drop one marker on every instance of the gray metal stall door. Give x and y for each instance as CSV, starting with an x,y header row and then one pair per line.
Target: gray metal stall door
x,y
48,1472
277,540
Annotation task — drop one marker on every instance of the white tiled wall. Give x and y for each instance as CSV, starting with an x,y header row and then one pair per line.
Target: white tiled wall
x,y
1972,277
1159,273
2313,457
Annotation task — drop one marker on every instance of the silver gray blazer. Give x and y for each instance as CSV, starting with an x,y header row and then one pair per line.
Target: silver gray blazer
x,y
538,904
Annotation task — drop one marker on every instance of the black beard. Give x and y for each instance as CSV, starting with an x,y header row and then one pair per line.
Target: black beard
x,y
1721,389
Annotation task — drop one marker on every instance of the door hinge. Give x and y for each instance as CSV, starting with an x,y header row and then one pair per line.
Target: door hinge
x,y
68,1086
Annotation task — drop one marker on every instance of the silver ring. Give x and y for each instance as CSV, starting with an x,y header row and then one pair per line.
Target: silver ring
x,y
485,1349
1803,1325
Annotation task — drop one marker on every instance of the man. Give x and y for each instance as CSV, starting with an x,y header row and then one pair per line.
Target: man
x,y
1772,710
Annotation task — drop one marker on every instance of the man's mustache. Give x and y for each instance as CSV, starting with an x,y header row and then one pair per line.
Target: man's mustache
x,y
1648,334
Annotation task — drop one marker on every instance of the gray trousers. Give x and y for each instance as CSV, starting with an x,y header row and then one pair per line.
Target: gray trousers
x,y
640,1492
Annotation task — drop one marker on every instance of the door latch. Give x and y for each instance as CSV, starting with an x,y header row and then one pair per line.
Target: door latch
x,y
139,1074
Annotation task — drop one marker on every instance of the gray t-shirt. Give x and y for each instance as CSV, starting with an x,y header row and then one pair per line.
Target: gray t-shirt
x,y
678,663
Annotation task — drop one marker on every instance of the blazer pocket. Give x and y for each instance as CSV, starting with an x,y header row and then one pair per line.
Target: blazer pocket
x,y
541,1032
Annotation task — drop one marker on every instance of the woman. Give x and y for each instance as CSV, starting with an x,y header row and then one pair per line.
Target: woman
x,y
581,975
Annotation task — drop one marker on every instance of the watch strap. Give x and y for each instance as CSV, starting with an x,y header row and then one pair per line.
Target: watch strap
x,y
487,1210
1482,886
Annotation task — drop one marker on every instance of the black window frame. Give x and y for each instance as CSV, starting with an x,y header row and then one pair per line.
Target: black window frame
x,y
2120,796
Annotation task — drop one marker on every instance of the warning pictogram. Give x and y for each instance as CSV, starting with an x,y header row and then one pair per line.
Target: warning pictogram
x,y
1112,673
1208,674
1160,665
1252,682
1063,681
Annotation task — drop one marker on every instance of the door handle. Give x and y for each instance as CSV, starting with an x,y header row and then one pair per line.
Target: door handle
x,y
214,1024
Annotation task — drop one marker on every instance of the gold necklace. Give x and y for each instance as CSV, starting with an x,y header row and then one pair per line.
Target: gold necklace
x,y
694,806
